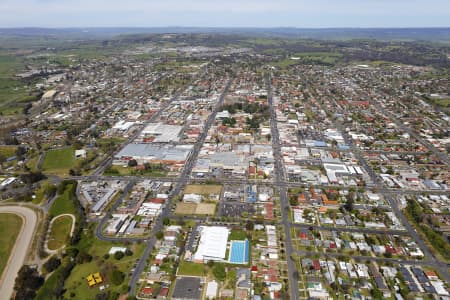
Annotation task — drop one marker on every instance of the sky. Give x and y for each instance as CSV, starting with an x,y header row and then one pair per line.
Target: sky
x,y
225,13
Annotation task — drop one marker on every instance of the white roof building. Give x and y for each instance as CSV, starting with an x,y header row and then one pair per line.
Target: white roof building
x,y
80,153
211,290
194,198
113,250
149,209
223,114
163,133
213,243
48,94
123,125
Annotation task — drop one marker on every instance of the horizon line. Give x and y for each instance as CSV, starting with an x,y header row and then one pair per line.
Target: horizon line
x,y
220,27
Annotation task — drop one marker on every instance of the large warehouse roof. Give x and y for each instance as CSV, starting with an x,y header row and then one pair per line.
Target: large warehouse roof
x,y
213,243
156,152
164,133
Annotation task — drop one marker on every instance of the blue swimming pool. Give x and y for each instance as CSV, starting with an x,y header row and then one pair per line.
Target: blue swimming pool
x,y
239,251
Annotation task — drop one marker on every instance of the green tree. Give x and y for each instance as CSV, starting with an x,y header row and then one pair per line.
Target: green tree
x,y
376,293
132,163
52,263
231,277
117,277
84,257
159,235
2,159
349,205
219,272
119,255
249,226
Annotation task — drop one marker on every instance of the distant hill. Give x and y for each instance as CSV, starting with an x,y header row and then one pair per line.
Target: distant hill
x,y
385,34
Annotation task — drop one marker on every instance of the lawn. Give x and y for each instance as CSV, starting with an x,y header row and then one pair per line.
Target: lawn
x,y
76,282
119,171
237,235
59,161
445,102
60,232
203,189
40,193
327,58
32,162
63,203
8,151
127,171
190,269
108,145
10,225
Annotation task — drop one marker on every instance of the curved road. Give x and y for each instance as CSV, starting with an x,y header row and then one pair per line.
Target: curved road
x,y
20,249
72,228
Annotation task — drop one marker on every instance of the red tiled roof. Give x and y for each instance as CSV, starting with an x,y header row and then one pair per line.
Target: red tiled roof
x,y
147,290
157,200
316,265
164,292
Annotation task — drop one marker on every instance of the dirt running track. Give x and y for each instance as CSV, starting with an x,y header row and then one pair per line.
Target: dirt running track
x,y
20,249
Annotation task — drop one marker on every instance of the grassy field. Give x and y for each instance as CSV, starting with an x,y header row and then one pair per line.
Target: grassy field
x,y
10,226
60,232
40,195
444,102
119,171
185,208
109,144
59,161
205,209
195,209
63,204
326,58
76,282
190,269
14,93
237,235
8,151
203,189
127,171
32,162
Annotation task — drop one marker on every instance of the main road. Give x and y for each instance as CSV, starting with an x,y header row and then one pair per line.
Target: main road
x,y
284,203
20,249
184,178
268,182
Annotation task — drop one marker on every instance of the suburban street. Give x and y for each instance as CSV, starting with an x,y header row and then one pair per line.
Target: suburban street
x,y
429,257
443,157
